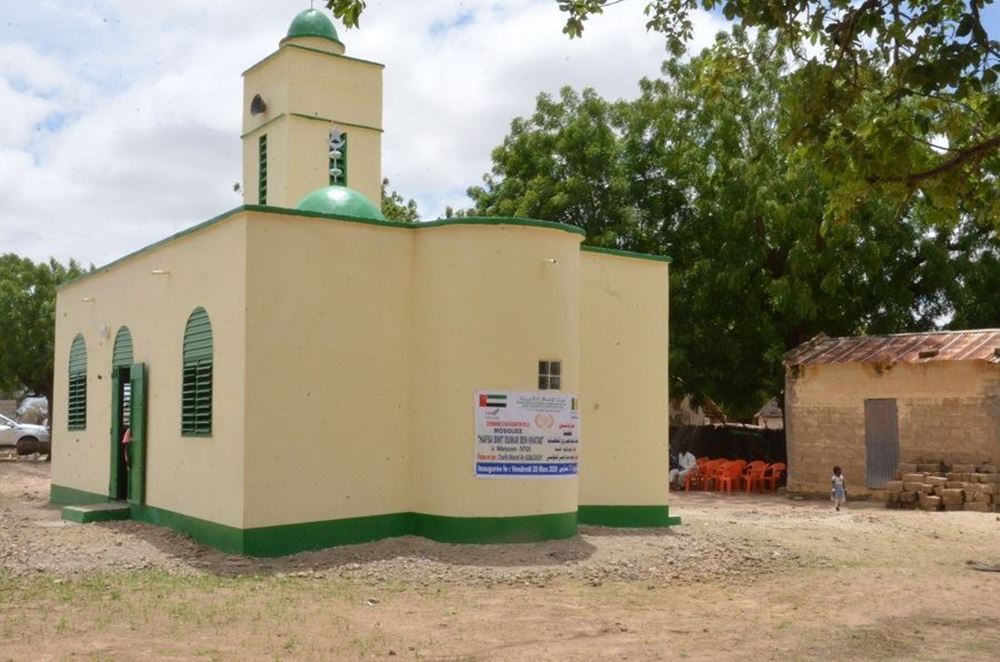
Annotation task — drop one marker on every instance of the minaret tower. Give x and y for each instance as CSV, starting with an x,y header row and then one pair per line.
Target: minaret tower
x,y
311,117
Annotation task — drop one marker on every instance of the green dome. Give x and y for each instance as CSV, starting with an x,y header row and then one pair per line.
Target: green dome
x,y
312,23
340,201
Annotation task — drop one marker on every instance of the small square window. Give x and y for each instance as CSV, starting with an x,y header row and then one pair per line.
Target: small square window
x,y
549,375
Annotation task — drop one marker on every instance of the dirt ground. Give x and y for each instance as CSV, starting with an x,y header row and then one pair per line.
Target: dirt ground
x,y
744,577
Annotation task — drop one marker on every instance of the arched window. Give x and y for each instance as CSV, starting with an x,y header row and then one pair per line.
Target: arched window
x,y
196,394
121,357
121,361
77,384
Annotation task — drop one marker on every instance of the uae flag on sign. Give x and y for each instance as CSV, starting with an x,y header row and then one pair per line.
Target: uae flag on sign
x,y
492,400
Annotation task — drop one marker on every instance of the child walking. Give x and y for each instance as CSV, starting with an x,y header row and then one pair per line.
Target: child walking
x,y
838,493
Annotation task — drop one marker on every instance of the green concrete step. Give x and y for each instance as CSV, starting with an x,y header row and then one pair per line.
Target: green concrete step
x,y
97,512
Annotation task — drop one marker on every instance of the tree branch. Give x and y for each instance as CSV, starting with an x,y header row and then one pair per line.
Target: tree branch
x,y
971,154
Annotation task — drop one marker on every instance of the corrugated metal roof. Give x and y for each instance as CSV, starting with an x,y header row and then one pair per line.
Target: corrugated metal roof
x,y
980,345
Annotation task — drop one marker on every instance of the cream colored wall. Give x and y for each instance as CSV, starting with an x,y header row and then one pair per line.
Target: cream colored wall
x,y
340,88
199,477
279,184
316,43
941,407
488,304
328,369
623,381
364,162
309,167
301,81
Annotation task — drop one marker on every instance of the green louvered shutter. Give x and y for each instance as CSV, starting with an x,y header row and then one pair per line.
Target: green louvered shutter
x,y
262,170
196,396
122,354
78,384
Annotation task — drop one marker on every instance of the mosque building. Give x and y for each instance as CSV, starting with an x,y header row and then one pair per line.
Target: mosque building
x,y
299,372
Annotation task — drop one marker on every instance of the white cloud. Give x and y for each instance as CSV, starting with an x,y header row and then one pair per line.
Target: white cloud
x,y
122,119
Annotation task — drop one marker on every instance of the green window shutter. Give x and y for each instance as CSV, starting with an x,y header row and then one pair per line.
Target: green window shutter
x,y
196,389
77,408
122,354
262,170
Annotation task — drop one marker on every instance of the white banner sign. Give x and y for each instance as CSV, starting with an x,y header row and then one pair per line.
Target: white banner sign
x,y
526,434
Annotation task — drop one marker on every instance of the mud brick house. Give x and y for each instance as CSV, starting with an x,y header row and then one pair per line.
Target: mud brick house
x,y
869,402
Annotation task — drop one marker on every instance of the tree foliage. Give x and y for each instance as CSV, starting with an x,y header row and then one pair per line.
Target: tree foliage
x,y
890,98
27,322
395,208
695,168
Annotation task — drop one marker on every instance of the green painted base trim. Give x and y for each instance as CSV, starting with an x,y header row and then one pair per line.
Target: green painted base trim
x,y
226,538
293,538
490,530
627,516
101,512
68,496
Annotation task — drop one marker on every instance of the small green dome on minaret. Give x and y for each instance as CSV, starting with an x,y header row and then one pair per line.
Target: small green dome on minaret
x,y
338,200
312,23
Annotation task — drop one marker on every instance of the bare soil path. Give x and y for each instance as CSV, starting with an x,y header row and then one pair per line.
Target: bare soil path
x,y
744,577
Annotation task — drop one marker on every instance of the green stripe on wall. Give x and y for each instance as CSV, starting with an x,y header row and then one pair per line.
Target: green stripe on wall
x,y
621,253
489,530
68,496
292,538
226,538
627,516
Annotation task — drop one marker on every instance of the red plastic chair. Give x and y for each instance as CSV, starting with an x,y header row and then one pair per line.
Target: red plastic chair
x,y
753,474
730,475
711,470
772,476
695,479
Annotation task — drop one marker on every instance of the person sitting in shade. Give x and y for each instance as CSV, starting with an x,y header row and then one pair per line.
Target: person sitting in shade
x,y
687,463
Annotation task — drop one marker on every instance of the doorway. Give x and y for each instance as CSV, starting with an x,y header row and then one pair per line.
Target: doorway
x,y
128,414
881,442
121,415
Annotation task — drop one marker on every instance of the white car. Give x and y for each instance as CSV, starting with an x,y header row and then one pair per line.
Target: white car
x,y
25,437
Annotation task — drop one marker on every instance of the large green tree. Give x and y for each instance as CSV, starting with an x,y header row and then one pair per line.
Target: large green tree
x,y
892,99
696,168
27,322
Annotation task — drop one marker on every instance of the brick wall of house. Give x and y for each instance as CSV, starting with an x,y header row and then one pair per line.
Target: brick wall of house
x,y
943,407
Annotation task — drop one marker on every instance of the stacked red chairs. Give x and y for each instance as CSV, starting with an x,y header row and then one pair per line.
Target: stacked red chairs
x,y
772,476
753,475
730,474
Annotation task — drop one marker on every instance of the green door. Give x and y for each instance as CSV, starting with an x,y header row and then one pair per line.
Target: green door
x,y
137,449
120,408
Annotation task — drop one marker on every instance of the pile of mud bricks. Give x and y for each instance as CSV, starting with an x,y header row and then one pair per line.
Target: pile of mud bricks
x,y
962,482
